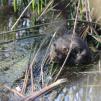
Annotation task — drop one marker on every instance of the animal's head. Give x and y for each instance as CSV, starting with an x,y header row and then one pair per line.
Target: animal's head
x,y
79,53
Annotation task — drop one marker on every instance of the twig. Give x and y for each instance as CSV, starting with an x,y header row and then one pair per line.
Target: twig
x,y
34,36
31,27
21,15
25,81
88,16
83,21
32,79
31,71
84,34
90,72
45,9
26,76
44,90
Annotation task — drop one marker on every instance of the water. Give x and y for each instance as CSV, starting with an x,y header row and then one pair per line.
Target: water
x,y
82,86
85,88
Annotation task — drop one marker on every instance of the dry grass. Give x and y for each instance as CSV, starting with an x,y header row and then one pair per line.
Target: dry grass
x,y
81,85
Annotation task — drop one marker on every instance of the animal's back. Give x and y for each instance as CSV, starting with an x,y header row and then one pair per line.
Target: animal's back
x,y
79,53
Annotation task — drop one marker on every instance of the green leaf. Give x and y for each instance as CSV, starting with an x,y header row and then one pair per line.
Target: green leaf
x,y
41,3
39,7
15,5
5,2
33,5
97,38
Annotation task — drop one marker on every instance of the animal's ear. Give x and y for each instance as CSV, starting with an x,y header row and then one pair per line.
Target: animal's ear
x,y
64,48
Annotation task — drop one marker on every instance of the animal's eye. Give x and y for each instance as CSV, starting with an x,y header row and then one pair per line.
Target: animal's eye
x,y
65,50
54,45
78,50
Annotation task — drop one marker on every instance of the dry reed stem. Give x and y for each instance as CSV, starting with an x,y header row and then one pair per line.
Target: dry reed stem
x,y
21,15
25,81
44,90
75,22
30,70
45,57
45,9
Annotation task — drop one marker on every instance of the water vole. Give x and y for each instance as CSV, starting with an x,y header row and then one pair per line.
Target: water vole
x,y
80,53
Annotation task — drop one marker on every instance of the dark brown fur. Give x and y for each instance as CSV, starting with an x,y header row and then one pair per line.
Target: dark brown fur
x,y
80,53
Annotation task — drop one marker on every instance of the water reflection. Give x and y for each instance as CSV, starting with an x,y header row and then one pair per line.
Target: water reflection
x,y
88,88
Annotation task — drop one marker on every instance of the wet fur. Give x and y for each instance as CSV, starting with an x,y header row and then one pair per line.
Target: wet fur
x,y
80,53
